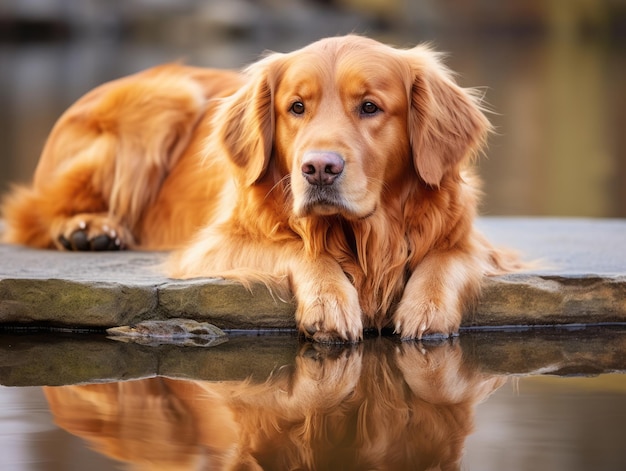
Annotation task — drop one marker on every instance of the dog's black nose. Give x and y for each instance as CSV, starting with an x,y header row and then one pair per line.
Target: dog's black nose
x,y
322,168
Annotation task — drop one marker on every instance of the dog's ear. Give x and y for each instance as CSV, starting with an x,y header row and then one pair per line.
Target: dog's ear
x,y
244,122
446,124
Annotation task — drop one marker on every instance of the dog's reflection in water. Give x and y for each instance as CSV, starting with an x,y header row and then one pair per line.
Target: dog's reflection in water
x,y
375,405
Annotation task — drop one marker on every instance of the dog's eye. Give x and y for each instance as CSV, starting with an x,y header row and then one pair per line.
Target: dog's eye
x,y
369,108
297,107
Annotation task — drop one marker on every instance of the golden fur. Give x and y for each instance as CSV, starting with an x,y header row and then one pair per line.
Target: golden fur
x,y
375,405
213,163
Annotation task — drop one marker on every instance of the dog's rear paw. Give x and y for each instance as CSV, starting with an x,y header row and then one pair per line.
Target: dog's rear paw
x,y
79,240
92,232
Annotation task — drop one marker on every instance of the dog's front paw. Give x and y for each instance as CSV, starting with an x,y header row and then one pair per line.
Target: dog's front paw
x,y
91,232
426,319
330,316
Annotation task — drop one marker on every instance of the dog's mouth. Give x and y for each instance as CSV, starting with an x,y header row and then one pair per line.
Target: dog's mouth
x,y
323,201
326,201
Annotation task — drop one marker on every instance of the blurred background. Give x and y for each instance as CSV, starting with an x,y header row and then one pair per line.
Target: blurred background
x,y
553,72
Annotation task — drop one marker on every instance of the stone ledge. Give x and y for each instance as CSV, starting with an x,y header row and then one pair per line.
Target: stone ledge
x,y
584,282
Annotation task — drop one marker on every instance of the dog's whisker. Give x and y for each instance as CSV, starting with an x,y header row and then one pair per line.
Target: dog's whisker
x,y
285,182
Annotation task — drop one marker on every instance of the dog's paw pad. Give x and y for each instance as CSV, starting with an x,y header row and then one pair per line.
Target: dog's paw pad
x,y
105,242
79,240
83,241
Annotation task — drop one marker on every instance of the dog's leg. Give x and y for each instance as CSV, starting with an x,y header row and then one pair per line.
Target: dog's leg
x,y
443,285
104,163
66,201
328,307
327,303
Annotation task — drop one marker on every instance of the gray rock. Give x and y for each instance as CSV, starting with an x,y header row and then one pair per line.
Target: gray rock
x,y
177,331
580,276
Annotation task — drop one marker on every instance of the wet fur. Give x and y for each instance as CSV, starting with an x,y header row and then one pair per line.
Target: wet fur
x,y
207,162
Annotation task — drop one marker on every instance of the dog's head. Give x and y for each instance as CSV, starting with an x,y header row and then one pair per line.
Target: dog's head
x,y
346,118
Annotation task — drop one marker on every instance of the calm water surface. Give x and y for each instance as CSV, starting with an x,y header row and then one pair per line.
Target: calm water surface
x,y
469,404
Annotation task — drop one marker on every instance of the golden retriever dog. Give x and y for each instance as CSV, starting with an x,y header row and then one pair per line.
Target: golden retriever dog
x,y
337,173
374,405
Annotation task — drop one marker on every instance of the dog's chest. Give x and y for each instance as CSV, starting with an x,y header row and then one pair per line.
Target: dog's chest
x,y
377,267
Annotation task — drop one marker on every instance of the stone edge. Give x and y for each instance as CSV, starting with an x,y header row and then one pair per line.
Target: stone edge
x,y
510,300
